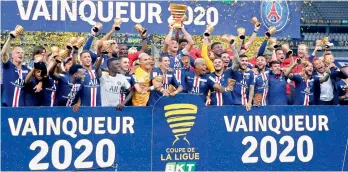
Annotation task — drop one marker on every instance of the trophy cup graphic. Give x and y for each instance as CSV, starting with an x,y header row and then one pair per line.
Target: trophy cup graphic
x,y
181,118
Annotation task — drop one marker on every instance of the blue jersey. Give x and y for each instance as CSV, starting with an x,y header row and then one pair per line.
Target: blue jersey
x,y
277,89
304,89
66,91
217,98
124,92
50,92
244,80
90,95
199,85
13,85
340,85
167,79
177,65
261,86
32,98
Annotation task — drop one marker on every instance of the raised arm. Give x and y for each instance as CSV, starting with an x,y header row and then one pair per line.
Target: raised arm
x,y
4,50
29,76
168,39
236,59
108,35
252,38
144,46
190,41
289,69
208,62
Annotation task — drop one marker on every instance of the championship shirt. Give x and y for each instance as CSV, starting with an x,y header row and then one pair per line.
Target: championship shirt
x,y
261,81
32,98
198,85
66,91
125,92
111,88
277,89
144,80
177,65
50,92
167,79
341,85
90,95
304,89
240,93
13,85
217,98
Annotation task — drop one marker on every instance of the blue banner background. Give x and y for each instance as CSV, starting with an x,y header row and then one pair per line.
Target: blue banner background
x,y
231,16
218,149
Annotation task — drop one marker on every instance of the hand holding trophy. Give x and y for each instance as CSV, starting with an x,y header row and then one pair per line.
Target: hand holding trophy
x,y
209,30
178,12
97,27
140,29
271,30
286,49
117,24
228,39
19,30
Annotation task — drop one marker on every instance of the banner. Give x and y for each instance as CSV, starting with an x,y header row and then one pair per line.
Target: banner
x,y
79,16
177,134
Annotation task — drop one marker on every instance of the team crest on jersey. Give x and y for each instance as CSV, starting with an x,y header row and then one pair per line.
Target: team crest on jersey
x,y
275,13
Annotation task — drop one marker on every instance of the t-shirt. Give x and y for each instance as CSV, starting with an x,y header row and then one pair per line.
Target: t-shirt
x,y
13,85
143,79
111,88
277,89
66,91
304,89
167,79
31,97
91,90
244,80
198,85
342,91
217,98
261,86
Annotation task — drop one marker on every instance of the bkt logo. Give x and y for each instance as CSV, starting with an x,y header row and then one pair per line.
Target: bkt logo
x,y
180,166
275,13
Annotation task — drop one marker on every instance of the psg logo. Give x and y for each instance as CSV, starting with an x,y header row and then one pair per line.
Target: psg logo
x,y
275,13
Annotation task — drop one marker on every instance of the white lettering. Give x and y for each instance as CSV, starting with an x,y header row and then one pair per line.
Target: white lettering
x,y
117,125
25,14
41,4
15,130
98,125
127,123
82,11
142,13
72,12
29,127
110,10
73,129
299,123
229,125
241,124
120,11
154,11
89,126
323,120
